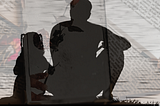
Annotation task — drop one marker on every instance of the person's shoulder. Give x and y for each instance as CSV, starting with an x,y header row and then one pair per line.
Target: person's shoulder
x,y
64,24
60,25
113,37
119,40
96,25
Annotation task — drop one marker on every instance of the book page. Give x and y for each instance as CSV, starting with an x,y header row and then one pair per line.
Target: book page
x,y
11,27
138,21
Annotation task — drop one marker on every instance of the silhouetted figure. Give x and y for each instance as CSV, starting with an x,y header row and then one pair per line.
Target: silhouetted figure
x,y
40,64
33,48
86,54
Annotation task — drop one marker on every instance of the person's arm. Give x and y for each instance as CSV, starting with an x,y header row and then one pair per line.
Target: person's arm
x,y
119,41
55,38
116,45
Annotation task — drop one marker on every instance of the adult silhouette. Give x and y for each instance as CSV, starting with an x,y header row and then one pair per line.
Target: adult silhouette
x,y
84,53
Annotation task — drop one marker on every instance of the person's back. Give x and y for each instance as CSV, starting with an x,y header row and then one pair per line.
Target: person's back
x,y
81,71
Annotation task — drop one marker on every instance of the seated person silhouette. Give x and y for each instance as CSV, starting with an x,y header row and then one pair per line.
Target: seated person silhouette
x,y
19,91
37,62
85,54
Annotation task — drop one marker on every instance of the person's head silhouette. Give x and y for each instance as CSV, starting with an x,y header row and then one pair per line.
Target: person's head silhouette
x,y
80,10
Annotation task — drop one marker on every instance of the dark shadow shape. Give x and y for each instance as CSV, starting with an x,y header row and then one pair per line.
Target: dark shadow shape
x,y
82,72
37,65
